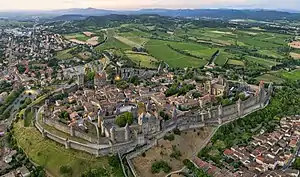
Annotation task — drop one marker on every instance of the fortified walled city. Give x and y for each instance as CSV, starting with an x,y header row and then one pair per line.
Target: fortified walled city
x,y
149,93
108,119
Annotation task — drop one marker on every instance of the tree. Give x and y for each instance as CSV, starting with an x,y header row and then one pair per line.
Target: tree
x,y
66,170
90,76
124,118
114,161
21,68
296,164
196,95
160,165
122,84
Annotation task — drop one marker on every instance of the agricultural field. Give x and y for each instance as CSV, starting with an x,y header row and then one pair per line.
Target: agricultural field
x,y
270,78
77,36
270,54
295,55
127,41
289,75
263,62
161,51
144,60
189,46
235,62
113,43
295,44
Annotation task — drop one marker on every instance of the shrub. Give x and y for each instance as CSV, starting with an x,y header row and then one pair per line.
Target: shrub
x,y
176,153
114,161
144,154
66,170
160,165
169,137
177,131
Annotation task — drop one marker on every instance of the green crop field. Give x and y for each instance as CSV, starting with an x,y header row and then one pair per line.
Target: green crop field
x,y
52,156
235,62
193,47
146,61
127,41
113,43
264,62
293,75
78,36
270,78
160,50
270,53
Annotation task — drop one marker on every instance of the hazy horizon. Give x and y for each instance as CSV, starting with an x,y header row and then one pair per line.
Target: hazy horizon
x,y
43,5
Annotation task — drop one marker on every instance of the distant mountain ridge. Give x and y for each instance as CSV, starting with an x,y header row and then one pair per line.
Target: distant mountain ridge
x,y
255,14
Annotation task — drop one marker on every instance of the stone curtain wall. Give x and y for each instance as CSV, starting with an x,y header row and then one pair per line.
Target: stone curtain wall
x,y
66,129
183,123
231,113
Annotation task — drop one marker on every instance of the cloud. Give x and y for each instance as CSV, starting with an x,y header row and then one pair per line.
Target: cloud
x,y
138,4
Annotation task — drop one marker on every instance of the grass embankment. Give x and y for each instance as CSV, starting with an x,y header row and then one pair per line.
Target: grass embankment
x,y
52,156
28,117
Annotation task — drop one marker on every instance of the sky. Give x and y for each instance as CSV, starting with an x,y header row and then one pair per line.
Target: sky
x,y
7,5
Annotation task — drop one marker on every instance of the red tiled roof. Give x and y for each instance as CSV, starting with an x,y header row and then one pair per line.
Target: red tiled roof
x,y
228,152
261,158
293,143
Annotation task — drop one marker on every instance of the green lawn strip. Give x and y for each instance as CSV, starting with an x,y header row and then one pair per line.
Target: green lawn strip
x,y
28,118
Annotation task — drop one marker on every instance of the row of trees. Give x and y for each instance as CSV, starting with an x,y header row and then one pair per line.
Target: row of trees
x,y
179,89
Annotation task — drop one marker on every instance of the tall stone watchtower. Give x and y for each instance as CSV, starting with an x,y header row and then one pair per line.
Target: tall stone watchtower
x,y
80,80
